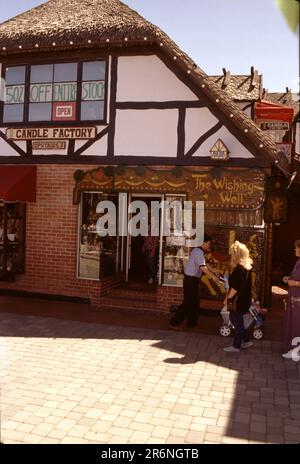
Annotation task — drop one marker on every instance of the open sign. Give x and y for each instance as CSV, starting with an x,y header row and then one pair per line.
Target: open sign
x,y
64,112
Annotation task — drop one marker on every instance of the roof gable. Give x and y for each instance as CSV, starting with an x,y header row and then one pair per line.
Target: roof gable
x,y
71,24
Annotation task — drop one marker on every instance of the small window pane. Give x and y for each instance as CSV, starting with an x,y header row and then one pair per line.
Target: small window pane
x,y
13,113
92,110
65,91
40,93
14,94
93,90
41,73
40,111
15,75
65,72
93,71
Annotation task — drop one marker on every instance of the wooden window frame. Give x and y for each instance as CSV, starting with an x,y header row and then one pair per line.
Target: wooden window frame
x,y
77,121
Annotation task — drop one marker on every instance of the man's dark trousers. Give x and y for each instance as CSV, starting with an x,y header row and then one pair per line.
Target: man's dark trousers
x,y
190,306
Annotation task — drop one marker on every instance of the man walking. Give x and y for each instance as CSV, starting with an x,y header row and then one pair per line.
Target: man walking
x,y
193,270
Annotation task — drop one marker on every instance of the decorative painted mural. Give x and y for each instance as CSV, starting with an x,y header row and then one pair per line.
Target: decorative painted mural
x,y
234,188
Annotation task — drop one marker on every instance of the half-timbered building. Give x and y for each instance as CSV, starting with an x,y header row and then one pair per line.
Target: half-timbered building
x,y
98,103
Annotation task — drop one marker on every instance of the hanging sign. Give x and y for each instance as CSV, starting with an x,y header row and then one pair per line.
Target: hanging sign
x,y
274,125
43,133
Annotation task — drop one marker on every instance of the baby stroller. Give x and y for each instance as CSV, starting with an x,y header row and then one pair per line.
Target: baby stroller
x,y
253,317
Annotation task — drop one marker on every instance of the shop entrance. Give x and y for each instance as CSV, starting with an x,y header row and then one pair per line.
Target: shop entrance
x,y
143,254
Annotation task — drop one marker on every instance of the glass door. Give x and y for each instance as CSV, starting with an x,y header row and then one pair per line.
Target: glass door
x,y
131,242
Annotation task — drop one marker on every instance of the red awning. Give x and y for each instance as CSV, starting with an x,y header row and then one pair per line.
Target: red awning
x,y
271,111
18,183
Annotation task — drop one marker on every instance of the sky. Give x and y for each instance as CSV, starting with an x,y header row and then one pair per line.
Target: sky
x,y
216,34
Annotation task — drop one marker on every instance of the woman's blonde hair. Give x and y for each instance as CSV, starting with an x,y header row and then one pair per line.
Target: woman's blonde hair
x,y
240,255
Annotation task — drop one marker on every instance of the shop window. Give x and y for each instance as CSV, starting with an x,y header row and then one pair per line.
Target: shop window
x,y
14,94
97,254
12,240
56,92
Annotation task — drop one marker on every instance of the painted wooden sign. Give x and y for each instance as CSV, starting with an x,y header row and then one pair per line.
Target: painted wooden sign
x,y
51,133
49,145
227,188
243,189
274,125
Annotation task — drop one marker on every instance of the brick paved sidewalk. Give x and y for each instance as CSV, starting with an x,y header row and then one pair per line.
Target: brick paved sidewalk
x,y
75,382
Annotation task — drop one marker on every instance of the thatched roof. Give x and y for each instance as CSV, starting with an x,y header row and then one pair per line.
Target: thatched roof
x,y
240,87
62,21
70,24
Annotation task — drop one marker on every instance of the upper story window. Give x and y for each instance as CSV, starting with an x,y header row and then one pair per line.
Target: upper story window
x,y
55,92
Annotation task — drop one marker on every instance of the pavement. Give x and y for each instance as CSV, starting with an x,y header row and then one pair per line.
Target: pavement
x,y
69,380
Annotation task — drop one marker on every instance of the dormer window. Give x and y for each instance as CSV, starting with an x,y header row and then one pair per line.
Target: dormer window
x,y
219,151
55,92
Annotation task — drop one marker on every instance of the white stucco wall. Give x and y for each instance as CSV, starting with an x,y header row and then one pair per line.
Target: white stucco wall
x,y
146,132
199,121
7,150
237,150
147,78
98,148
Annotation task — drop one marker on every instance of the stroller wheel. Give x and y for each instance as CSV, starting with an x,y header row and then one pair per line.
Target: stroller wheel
x,y
258,334
225,331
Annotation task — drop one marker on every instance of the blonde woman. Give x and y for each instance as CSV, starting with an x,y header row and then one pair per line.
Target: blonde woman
x,y
239,295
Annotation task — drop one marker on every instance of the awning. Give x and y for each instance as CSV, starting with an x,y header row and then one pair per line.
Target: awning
x,y
271,111
18,183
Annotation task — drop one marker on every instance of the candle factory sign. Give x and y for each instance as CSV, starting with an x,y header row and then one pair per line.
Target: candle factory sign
x,y
54,133
227,188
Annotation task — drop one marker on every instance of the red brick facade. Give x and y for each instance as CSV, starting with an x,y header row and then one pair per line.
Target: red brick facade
x,y
51,240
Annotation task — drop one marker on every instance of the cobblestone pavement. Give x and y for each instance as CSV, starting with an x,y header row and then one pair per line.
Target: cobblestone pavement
x,y
75,382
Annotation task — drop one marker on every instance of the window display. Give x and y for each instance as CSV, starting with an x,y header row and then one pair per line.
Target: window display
x,y
97,255
175,251
12,240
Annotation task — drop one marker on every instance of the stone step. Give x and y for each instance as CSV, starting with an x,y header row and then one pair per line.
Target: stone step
x,y
132,294
128,303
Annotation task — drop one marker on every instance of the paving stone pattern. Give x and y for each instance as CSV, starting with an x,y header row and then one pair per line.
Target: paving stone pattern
x,y
74,382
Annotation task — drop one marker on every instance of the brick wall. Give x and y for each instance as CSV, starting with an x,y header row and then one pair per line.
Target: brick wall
x,y
167,296
51,240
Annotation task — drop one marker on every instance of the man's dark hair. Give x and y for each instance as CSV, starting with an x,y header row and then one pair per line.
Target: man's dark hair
x,y
207,238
